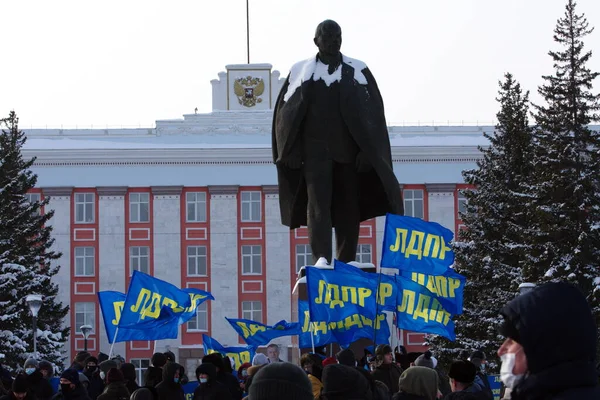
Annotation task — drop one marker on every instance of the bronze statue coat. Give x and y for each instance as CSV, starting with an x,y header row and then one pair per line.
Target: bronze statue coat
x,y
363,112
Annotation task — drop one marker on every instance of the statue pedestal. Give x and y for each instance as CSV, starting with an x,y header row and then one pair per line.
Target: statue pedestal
x,y
300,292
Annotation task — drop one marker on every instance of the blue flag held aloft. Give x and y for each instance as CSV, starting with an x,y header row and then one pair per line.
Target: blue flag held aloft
x,y
449,288
257,334
411,244
320,338
154,303
111,304
240,355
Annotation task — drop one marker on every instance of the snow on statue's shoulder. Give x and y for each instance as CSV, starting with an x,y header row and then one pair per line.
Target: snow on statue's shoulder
x,y
310,68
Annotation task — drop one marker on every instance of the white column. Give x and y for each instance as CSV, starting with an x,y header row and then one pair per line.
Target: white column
x,y
224,261
60,202
166,219
441,204
111,271
277,243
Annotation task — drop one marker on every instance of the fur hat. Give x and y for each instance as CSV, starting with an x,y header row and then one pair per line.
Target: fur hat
x,y
281,381
462,371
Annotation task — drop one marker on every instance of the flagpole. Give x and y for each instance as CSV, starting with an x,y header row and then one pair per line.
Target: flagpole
x,y
248,30
112,345
312,337
155,345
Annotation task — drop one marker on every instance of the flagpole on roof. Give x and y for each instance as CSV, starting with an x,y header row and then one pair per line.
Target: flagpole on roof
x,y
248,30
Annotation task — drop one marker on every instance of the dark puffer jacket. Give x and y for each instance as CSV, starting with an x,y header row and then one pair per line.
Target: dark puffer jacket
x,y
388,374
211,390
167,389
554,324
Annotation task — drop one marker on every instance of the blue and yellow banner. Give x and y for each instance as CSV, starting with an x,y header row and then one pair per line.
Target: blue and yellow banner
x,y
449,288
411,244
111,304
320,338
239,355
257,334
417,308
154,303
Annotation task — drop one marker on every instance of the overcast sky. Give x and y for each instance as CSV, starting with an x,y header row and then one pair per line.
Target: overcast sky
x,y
131,62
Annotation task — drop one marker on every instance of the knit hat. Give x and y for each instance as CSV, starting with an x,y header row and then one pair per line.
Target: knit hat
x,y
419,381
105,366
158,360
281,381
91,359
344,382
114,375
20,384
462,371
329,361
346,357
71,375
208,369
31,362
259,359
424,360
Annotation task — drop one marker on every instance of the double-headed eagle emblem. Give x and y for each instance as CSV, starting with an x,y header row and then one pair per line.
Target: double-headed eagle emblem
x,y
248,90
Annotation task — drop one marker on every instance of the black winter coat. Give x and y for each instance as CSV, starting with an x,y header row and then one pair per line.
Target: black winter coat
x,y
167,389
153,376
115,391
212,391
231,383
79,393
388,374
96,386
39,386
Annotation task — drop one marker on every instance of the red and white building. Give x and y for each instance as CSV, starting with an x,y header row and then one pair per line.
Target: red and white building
x,y
194,201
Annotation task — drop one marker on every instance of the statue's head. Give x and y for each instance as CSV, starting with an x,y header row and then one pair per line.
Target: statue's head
x,y
328,38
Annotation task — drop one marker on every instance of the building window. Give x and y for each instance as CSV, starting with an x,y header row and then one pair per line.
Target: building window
x,y
139,207
141,365
84,261
252,310
251,207
195,207
84,208
462,205
199,322
196,260
363,253
33,198
139,259
251,260
303,256
413,203
85,314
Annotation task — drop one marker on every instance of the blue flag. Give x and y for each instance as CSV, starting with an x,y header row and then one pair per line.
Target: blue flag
x,y
154,303
257,334
411,244
345,305
111,304
320,338
449,288
240,355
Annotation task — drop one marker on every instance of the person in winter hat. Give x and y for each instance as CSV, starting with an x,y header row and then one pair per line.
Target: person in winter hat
x,y
130,376
462,377
278,381
71,387
79,361
170,386
242,374
550,345
425,360
227,379
418,383
346,357
115,388
341,382
19,390
92,373
386,370
311,363
154,373
208,386
478,359
105,366
39,387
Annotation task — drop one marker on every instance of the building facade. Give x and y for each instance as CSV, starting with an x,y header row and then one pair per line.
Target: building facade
x,y
194,202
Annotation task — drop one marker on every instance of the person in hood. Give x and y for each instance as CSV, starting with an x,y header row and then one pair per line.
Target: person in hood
x,y
92,373
115,388
283,381
208,386
38,386
418,383
242,374
130,376
47,370
79,361
224,377
386,370
550,346
341,382
154,373
70,387
20,390
170,387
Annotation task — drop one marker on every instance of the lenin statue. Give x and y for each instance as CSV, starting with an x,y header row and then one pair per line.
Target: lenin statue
x,y
331,148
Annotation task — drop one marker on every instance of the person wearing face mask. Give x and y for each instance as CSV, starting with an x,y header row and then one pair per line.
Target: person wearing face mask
x,y
550,346
70,387
38,386
209,388
92,373
170,386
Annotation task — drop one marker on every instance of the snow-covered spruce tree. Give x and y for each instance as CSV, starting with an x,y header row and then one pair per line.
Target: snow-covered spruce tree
x,y
25,259
565,233
489,252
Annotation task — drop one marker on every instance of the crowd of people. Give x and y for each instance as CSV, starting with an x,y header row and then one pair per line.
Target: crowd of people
x,y
548,353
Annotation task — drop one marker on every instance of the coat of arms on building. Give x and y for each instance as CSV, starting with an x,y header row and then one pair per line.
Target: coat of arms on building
x,y
248,90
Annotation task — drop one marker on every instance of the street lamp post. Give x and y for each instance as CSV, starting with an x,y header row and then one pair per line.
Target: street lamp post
x,y
35,303
85,329
526,287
